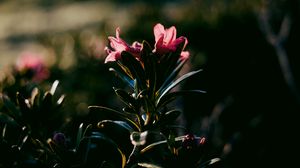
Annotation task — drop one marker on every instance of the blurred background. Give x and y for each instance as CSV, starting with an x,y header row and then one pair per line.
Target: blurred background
x,y
248,50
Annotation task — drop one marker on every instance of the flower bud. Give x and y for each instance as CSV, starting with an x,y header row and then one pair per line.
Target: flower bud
x,y
189,141
59,139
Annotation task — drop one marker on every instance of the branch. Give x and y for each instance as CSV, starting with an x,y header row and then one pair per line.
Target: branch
x,y
277,42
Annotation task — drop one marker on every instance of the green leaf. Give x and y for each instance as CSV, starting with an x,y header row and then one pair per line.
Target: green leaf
x,y
10,106
145,51
122,72
47,100
23,141
162,144
56,149
54,87
112,124
47,105
150,62
167,98
210,163
105,113
87,129
4,118
24,106
148,165
176,82
60,101
126,71
35,97
79,134
168,117
153,145
135,68
99,149
170,61
172,76
119,132
126,97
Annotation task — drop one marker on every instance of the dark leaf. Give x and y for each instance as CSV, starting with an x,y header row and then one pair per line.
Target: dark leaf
x,y
119,132
212,163
123,77
4,118
126,97
122,72
98,148
135,68
57,149
149,61
10,106
79,134
176,82
168,118
167,98
172,76
22,102
169,62
47,101
104,113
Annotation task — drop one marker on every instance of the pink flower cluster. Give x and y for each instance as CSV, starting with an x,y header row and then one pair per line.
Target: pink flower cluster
x,y
165,42
32,62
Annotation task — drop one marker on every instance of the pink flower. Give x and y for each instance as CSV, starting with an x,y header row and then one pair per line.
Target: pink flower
x,y
166,41
118,45
34,63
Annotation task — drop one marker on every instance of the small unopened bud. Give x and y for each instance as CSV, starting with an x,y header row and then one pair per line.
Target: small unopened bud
x,y
59,139
189,141
202,141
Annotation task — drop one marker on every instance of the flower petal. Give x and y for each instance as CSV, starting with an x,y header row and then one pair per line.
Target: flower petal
x,y
179,41
117,44
184,55
113,56
159,31
170,35
159,45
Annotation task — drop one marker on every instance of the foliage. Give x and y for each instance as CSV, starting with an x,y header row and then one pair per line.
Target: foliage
x,y
145,133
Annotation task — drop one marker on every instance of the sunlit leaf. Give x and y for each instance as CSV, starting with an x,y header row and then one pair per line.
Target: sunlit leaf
x,y
169,97
210,163
35,95
172,76
176,82
79,134
121,71
54,87
60,101
149,165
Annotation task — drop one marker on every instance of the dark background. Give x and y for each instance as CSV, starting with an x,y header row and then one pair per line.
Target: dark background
x,y
248,50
